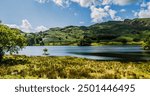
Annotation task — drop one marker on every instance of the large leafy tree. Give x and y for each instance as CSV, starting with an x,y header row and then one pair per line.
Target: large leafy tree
x,y
11,40
147,43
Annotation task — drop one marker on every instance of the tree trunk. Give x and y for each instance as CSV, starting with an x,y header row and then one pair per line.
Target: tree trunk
x,y
1,57
1,54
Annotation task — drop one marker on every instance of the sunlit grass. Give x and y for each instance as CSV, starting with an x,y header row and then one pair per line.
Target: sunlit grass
x,y
70,67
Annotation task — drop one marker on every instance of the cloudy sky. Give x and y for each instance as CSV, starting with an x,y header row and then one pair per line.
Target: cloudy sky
x,y
39,15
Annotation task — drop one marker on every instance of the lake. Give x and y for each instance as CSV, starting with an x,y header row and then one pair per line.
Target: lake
x,y
122,52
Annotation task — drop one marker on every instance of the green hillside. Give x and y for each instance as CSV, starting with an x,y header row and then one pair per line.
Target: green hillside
x,y
112,31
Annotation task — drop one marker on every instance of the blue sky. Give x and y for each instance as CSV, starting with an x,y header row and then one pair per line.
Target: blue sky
x,y
39,15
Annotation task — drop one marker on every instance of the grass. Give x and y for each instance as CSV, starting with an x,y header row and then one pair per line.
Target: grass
x,y
116,43
36,67
92,44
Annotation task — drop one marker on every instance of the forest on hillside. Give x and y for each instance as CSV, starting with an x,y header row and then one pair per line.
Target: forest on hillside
x,y
121,32
134,31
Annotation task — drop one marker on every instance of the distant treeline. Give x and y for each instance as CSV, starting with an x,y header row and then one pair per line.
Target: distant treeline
x,y
112,31
123,32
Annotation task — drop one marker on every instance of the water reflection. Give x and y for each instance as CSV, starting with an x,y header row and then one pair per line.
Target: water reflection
x,y
92,52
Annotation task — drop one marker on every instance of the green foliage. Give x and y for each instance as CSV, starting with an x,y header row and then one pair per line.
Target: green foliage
x,y
11,40
147,43
71,68
85,42
124,39
127,31
45,50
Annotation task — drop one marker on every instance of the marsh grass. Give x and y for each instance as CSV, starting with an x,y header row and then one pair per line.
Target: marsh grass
x,y
36,67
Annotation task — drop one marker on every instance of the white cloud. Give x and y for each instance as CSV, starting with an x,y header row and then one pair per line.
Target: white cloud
x,y
144,13
98,14
123,2
81,22
122,10
62,3
41,28
148,4
143,4
106,2
86,3
26,26
58,2
112,13
135,13
117,18
13,26
42,1
107,8
113,16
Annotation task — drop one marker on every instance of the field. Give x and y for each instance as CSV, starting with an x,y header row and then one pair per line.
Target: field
x,y
24,67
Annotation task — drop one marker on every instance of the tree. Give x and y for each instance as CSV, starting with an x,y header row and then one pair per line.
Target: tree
x,y
11,40
45,50
86,41
146,44
124,39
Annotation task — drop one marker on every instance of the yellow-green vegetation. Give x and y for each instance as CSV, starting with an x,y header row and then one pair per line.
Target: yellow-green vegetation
x,y
70,67
117,43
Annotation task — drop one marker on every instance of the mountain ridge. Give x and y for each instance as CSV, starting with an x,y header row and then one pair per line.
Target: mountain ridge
x,y
118,31
129,30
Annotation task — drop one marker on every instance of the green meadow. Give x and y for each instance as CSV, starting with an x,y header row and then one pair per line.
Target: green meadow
x,y
48,67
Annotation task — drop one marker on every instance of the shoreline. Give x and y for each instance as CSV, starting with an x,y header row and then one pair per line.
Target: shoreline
x,y
96,44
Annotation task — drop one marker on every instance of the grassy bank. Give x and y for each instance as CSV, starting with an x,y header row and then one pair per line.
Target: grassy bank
x,y
92,44
70,67
116,43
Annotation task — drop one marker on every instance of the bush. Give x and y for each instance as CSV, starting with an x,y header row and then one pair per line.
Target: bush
x,y
146,44
124,39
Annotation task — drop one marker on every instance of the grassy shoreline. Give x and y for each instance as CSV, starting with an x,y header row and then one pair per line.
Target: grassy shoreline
x,y
36,67
94,44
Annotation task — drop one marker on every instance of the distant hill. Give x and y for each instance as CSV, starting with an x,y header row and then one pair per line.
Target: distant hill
x,y
112,31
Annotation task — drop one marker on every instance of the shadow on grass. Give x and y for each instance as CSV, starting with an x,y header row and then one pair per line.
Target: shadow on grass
x,y
16,60
125,61
122,57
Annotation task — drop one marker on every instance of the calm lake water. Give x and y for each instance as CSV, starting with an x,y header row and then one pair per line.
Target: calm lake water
x,y
91,52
